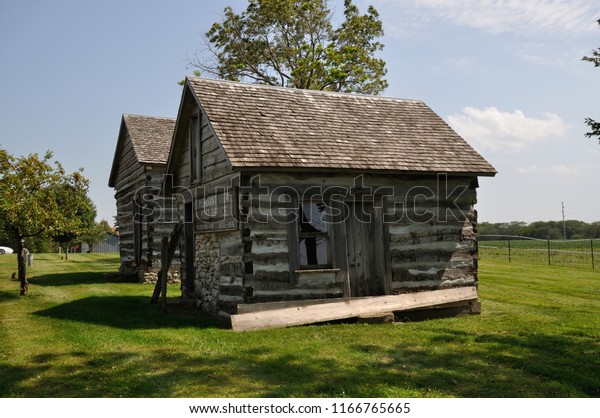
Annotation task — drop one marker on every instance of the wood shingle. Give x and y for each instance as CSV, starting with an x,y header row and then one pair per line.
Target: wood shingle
x,y
150,138
263,126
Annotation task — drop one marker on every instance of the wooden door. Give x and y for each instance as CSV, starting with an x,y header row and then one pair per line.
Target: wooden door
x,y
367,243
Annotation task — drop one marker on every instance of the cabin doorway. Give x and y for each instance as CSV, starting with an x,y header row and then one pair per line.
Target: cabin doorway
x,y
189,248
367,243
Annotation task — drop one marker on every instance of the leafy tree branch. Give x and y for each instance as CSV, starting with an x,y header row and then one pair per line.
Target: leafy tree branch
x,y
593,125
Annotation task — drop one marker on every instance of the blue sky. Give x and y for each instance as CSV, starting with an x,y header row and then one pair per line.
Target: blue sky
x,y
506,75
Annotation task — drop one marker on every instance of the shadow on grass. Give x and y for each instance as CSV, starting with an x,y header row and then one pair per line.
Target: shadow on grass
x,y
547,368
497,365
70,279
6,296
129,312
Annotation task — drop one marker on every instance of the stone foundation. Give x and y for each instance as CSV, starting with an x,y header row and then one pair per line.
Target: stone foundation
x,y
151,277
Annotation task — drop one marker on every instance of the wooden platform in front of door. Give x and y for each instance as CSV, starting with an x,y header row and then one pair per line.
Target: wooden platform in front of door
x,y
286,314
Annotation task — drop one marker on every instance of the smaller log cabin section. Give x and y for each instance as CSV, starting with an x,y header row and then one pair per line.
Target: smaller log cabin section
x,y
137,175
299,202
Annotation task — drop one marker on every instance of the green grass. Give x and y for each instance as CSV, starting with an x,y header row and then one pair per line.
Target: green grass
x,y
79,335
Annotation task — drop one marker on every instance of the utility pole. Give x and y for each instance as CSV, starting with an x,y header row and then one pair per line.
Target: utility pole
x,y
564,226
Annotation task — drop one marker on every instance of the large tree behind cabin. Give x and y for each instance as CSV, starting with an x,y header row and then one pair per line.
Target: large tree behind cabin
x,y
293,43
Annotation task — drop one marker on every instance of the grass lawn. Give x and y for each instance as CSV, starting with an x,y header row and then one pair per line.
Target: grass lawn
x,y
78,335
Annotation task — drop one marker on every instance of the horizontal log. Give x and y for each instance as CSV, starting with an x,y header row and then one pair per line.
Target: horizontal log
x,y
348,308
231,268
411,286
401,183
432,236
267,240
230,291
423,266
132,180
432,273
295,295
269,246
232,250
419,257
268,259
427,228
277,276
216,170
266,231
270,306
257,283
212,186
316,280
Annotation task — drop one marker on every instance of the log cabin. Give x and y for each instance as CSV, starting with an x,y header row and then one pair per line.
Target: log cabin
x,y
302,205
137,175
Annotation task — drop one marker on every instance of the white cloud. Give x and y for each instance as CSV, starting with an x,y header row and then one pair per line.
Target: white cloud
x,y
562,170
495,130
557,17
400,19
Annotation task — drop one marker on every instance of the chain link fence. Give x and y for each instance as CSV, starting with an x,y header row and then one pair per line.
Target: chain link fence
x,y
584,253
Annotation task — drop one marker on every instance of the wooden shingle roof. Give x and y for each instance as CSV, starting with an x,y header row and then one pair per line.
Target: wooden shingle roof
x,y
263,126
151,137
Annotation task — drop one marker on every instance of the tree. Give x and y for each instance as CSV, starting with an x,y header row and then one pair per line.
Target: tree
x,y
97,232
94,234
39,244
83,212
28,200
292,43
106,226
594,126
542,229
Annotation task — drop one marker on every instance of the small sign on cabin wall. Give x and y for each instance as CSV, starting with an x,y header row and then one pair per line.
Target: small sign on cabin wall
x,y
217,212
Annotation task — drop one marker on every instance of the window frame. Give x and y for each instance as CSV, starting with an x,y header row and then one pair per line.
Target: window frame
x,y
195,147
301,235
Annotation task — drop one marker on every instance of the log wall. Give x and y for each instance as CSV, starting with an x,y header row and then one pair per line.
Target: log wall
x,y
138,183
432,237
130,179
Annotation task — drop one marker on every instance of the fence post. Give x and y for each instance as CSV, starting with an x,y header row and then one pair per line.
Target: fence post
x,y
509,259
592,248
549,255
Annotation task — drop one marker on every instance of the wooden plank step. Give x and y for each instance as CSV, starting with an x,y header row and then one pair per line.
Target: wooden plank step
x,y
348,308
377,318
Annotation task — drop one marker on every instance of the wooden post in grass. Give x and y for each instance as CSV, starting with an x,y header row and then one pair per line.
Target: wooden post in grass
x,y
163,273
509,250
168,252
549,256
592,248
